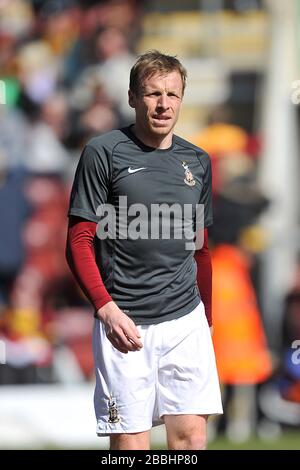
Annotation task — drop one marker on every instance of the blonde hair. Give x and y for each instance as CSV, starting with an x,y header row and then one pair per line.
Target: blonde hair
x,y
153,62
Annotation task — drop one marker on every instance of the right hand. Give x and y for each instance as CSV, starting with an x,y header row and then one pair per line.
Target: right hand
x,y
120,329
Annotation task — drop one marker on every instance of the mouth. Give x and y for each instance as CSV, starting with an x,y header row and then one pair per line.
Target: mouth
x,y
161,117
161,120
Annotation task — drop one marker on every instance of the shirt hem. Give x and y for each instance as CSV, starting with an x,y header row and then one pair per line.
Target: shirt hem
x,y
167,317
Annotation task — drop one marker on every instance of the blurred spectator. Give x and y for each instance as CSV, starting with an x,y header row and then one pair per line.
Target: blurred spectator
x,y
111,67
14,210
223,139
242,354
59,23
44,240
55,114
37,70
115,63
221,136
279,398
16,18
48,155
28,352
14,132
289,372
25,326
8,45
92,110
120,14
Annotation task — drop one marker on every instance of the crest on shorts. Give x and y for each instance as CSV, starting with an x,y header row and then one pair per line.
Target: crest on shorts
x,y
189,179
113,414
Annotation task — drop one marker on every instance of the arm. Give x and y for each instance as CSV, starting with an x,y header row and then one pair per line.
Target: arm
x,y
204,276
81,259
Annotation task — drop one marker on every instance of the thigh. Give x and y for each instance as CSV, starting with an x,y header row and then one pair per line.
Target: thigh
x,y
125,387
187,375
186,431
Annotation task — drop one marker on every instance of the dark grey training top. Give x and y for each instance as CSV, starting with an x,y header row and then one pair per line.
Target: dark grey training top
x,y
150,275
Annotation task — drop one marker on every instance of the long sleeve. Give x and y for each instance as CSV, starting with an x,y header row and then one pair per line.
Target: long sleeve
x,y
81,259
204,276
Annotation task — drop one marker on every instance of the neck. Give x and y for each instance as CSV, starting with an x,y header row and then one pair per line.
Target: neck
x,y
156,141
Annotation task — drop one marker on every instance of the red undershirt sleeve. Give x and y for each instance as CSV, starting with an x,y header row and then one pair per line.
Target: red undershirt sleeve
x,y
81,260
204,276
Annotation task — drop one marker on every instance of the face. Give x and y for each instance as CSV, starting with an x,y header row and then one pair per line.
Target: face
x,y
158,104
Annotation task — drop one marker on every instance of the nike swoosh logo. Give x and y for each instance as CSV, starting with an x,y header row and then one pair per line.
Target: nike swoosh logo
x,y
130,170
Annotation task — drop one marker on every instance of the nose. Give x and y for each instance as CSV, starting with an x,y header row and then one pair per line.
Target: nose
x,y
163,101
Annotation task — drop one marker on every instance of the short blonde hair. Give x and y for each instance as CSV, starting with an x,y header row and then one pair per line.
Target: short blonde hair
x,y
153,62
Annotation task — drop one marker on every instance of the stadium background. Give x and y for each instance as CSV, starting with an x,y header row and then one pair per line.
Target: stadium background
x,y
64,68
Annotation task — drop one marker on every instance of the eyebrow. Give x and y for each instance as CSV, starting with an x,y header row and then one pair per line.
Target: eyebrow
x,y
149,89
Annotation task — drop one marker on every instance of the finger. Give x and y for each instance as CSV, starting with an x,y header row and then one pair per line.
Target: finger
x,y
117,343
138,334
136,342
135,329
127,341
132,339
132,336
135,346
122,341
119,347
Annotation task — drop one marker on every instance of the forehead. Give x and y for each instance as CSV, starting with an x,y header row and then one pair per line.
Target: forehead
x,y
171,80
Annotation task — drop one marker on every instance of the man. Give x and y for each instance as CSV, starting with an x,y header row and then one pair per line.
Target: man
x,y
152,346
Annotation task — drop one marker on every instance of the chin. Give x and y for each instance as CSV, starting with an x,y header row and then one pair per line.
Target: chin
x,y
161,130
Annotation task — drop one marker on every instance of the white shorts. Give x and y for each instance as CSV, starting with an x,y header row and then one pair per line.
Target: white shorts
x,y
174,373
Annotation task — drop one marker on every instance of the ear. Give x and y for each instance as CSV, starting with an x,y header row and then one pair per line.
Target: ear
x,y
131,99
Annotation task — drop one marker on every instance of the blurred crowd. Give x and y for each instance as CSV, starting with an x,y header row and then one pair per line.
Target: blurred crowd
x,y
65,66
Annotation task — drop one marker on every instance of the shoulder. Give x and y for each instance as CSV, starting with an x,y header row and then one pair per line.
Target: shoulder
x,y
202,156
108,141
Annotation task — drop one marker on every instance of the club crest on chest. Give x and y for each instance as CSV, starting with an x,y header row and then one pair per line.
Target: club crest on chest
x,y
189,178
